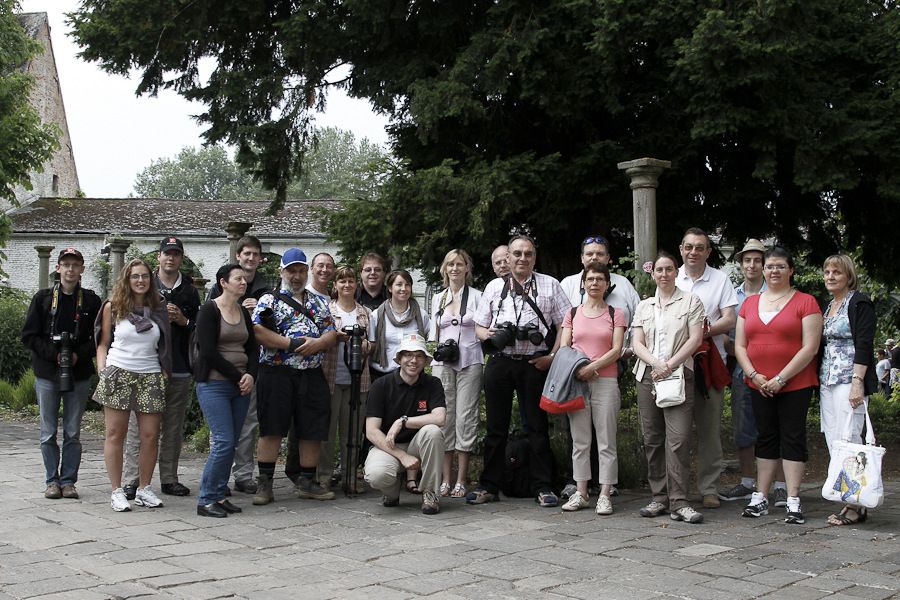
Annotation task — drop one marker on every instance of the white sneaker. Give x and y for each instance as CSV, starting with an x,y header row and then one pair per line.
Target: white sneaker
x,y
576,502
686,514
118,502
604,505
145,497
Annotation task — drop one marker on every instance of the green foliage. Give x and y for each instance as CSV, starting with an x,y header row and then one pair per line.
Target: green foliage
x,y
885,414
24,396
205,173
15,358
778,116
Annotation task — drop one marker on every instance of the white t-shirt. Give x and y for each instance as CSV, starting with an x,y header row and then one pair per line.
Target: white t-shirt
x,y
392,336
715,291
882,368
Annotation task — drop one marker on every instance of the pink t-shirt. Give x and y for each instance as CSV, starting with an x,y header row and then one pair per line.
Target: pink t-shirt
x,y
594,335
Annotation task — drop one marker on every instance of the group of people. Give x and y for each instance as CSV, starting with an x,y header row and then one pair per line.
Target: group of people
x,y
274,359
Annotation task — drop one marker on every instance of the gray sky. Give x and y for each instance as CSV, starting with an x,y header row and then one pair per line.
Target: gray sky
x,y
116,134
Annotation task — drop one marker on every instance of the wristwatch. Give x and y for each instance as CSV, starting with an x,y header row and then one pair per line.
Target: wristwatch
x,y
780,380
403,421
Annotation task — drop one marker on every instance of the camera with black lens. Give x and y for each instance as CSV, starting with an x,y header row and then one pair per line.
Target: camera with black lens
x,y
530,332
353,354
504,335
447,352
63,342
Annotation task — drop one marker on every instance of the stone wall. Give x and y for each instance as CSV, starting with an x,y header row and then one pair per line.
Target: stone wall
x,y
59,177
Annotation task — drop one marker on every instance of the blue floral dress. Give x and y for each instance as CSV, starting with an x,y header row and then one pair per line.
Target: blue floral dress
x,y
837,359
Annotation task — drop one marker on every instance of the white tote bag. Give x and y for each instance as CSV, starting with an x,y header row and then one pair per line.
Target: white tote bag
x,y
854,473
669,391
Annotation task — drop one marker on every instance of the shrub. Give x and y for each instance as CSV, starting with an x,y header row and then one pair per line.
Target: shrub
x,y
24,396
15,358
7,393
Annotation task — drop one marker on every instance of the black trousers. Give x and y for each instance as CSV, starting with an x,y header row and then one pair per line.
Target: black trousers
x,y
781,421
502,377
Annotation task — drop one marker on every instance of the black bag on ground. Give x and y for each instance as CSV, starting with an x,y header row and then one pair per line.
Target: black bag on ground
x,y
516,471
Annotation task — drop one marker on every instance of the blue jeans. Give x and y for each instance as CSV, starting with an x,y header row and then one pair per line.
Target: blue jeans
x,y
73,402
225,410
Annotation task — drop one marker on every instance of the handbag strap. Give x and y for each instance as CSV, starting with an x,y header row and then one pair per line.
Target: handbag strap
x,y
870,433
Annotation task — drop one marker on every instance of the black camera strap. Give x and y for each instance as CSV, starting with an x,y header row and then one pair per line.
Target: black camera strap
x,y
463,305
54,310
290,301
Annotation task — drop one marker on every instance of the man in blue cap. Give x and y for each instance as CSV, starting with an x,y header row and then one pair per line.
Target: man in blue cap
x,y
295,328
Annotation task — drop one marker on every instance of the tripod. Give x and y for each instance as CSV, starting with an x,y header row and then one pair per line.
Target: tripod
x,y
353,358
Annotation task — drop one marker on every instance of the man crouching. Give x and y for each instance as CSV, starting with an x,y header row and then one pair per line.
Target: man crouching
x,y
404,415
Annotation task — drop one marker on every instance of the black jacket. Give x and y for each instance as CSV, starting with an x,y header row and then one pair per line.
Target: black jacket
x,y
37,330
208,327
861,313
186,298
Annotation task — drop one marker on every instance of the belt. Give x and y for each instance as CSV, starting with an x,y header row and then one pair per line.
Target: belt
x,y
521,356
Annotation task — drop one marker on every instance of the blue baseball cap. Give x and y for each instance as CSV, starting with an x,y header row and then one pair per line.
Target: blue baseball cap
x,y
293,256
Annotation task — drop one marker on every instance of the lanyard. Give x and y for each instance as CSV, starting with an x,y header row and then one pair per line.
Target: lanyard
x,y
54,310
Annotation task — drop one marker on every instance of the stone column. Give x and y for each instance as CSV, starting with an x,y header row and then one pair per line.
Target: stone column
x,y
43,265
644,175
117,248
235,230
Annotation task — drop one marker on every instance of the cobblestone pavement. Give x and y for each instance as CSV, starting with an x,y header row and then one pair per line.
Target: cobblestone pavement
x,y
355,548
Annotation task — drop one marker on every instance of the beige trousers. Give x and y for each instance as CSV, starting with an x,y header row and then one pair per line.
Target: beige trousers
x,y
462,390
708,419
601,411
383,471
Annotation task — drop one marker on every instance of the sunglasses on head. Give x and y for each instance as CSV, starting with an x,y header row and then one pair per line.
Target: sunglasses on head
x,y
596,239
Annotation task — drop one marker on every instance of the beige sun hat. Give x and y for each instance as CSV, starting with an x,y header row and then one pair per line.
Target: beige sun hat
x,y
752,245
412,343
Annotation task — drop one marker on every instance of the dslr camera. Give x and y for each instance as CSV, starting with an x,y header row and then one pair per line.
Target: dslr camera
x,y
353,354
447,352
504,335
63,343
530,332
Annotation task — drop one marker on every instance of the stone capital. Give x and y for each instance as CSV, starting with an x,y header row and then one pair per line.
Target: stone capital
x,y
237,229
644,172
44,251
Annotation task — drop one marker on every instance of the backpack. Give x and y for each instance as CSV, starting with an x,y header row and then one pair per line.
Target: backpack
x,y
516,470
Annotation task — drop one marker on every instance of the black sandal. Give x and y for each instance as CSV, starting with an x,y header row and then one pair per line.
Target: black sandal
x,y
842,519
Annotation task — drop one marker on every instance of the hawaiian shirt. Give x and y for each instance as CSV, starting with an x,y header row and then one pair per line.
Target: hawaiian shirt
x,y
293,324
837,359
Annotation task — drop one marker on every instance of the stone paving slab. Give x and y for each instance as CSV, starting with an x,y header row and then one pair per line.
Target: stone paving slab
x,y
356,548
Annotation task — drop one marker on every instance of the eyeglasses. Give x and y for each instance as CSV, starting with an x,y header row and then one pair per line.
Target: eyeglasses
x,y
692,247
521,253
139,276
372,270
600,279
778,267
595,239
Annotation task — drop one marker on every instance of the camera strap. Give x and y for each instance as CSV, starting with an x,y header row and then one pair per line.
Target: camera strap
x,y
463,305
289,300
54,309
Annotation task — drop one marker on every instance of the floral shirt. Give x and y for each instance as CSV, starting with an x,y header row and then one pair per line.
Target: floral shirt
x,y
837,359
293,324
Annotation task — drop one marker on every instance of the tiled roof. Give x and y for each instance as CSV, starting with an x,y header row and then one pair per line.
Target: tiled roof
x,y
157,216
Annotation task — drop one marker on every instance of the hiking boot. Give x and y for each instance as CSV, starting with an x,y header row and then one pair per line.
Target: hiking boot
x,y
738,492
246,486
480,496
711,501
431,504
53,492
264,494
310,489
175,489
576,502
780,497
145,497
758,507
69,491
654,509
118,502
686,514
547,499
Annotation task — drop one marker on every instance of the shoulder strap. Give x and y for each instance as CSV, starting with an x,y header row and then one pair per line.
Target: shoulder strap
x,y
289,300
537,310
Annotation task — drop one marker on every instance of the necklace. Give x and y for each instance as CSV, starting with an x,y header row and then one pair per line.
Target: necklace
x,y
774,300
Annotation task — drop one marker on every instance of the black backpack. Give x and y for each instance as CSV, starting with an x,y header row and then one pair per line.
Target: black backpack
x,y
516,471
